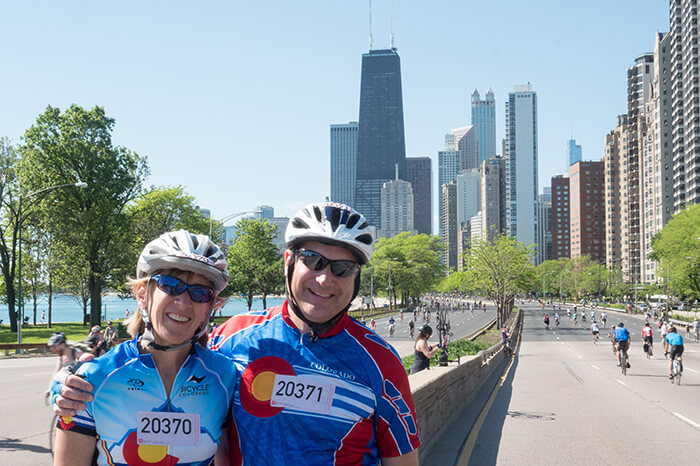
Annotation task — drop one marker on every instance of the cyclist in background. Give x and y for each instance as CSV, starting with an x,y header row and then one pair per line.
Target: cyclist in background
x,y
411,327
110,335
391,325
67,355
546,321
673,344
621,338
648,335
604,318
96,340
595,331
696,329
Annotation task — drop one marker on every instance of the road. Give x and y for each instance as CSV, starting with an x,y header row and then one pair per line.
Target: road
x,y
24,432
564,400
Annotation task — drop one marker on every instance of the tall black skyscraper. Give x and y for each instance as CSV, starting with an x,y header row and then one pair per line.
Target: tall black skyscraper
x,y
380,142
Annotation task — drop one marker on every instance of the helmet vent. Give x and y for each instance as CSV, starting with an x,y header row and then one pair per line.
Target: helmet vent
x,y
366,238
334,218
352,220
299,223
318,214
363,226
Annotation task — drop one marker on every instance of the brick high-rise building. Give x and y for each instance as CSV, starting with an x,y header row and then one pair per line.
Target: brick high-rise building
x,y
587,222
419,172
560,218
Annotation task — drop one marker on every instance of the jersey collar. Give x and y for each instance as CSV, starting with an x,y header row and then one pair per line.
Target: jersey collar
x,y
336,329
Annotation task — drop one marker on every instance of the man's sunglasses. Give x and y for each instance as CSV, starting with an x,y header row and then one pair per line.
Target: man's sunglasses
x,y
318,262
174,287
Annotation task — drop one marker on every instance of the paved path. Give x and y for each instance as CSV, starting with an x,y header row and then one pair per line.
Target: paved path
x,y
564,401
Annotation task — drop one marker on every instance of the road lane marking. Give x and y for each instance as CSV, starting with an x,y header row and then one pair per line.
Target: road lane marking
x,y
692,370
33,374
557,338
579,356
595,367
621,382
685,419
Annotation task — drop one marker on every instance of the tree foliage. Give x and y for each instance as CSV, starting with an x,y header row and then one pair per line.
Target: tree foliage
x,y
677,247
9,219
414,262
63,148
255,264
501,269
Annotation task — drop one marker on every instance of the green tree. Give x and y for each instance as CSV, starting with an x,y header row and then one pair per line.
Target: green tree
x,y
158,211
500,268
62,148
9,220
414,261
677,247
255,265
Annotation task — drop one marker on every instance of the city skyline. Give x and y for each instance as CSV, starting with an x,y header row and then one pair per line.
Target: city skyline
x,y
236,84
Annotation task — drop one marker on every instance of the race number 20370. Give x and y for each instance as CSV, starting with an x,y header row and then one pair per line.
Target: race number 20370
x,y
162,428
302,392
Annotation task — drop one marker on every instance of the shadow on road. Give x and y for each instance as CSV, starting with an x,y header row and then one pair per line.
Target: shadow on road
x,y
487,443
15,444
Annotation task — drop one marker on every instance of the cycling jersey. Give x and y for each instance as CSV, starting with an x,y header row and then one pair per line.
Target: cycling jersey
x,y
354,403
621,334
127,382
647,332
674,339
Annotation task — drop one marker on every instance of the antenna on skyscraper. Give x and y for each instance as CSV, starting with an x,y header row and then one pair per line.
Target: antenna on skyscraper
x,y
391,27
370,24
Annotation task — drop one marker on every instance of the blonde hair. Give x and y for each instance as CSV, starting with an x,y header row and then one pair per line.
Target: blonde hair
x,y
135,325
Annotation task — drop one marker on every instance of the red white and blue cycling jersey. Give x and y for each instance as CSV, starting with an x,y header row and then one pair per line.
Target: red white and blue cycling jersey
x,y
344,399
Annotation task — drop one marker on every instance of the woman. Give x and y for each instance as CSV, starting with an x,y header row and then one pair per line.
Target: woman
x,y
423,350
158,398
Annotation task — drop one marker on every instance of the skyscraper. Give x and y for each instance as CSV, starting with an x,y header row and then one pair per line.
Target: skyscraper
x,y
573,153
380,140
587,194
617,200
465,143
521,164
544,226
468,194
397,208
343,162
419,173
560,218
484,123
493,197
448,166
449,224
685,105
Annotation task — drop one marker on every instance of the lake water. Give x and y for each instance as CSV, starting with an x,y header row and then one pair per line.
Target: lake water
x,y
67,309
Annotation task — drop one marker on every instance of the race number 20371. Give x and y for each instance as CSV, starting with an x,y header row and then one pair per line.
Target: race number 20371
x,y
162,428
302,392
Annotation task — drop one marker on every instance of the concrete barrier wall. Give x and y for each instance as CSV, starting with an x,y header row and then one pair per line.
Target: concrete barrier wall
x,y
441,393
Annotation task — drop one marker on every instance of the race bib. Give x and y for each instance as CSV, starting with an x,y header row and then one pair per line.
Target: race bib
x,y
157,428
305,393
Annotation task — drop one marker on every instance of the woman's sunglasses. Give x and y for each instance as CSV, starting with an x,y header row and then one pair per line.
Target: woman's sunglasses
x,y
318,262
174,287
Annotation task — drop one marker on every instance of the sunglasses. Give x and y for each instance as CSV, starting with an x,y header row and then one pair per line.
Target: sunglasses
x,y
318,262
174,287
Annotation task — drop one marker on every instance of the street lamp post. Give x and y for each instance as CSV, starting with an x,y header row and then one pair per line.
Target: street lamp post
x,y
20,314
225,219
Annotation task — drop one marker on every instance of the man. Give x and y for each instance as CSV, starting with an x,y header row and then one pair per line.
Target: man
x,y
673,344
696,329
315,386
96,341
595,331
621,339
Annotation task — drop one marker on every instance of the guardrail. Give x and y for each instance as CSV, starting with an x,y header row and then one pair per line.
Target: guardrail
x,y
26,348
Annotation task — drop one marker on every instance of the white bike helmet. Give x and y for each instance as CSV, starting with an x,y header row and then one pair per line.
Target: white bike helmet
x,y
187,251
332,223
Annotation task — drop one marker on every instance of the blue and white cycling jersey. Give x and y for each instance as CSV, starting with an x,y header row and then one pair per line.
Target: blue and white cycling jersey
x,y
127,382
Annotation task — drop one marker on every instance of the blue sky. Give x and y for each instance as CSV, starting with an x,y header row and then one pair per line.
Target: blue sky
x,y
233,99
